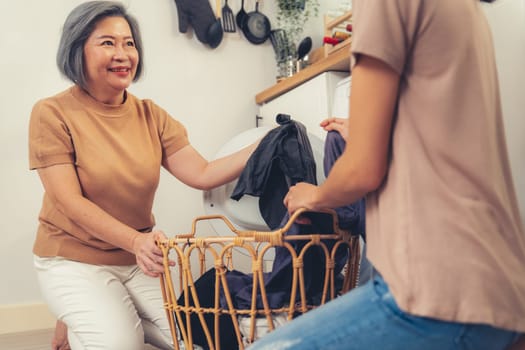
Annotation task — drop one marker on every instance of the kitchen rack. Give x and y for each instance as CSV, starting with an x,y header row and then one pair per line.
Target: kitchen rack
x,y
330,25
323,59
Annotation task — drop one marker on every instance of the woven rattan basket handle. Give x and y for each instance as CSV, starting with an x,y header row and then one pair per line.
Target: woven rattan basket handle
x,y
241,233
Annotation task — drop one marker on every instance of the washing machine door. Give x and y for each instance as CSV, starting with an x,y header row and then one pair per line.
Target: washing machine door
x,y
244,213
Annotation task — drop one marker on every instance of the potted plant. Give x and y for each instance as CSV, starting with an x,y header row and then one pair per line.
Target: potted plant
x,y
292,16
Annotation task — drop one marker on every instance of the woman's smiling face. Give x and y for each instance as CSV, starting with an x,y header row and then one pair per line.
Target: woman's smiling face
x,y
110,59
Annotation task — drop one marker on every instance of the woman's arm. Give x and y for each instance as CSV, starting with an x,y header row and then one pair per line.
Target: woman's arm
x,y
62,185
191,168
363,165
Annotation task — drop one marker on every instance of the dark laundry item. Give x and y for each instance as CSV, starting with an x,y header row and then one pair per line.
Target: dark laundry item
x,y
205,287
283,158
198,14
278,282
351,217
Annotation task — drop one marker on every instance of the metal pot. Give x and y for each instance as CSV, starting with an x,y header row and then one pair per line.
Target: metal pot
x,y
256,26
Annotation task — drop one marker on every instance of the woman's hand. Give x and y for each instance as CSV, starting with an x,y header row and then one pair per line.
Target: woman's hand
x,y
336,124
302,195
148,254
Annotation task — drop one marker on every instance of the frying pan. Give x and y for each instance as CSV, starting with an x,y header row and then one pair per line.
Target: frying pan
x,y
256,26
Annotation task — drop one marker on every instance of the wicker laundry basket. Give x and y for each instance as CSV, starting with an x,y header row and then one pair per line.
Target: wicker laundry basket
x,y
193,254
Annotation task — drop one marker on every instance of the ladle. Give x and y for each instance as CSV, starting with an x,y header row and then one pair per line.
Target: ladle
x,y
304,47
215,32
240,15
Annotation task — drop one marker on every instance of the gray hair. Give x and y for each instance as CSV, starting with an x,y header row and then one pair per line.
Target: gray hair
x,y
77,28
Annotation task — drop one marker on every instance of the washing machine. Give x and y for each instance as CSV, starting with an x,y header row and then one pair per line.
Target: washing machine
x,y
244,213
308,103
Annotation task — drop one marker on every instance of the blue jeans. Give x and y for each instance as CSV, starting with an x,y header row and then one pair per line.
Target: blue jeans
x,y
369,318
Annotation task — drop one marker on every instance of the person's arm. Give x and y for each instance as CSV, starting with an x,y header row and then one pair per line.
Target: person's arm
x,y
191,168
363,165
62,185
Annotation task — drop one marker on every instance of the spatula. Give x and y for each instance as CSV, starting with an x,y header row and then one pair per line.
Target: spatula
x,y
228,18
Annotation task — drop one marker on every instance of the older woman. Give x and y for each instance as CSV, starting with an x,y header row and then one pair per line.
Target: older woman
x,y
98,151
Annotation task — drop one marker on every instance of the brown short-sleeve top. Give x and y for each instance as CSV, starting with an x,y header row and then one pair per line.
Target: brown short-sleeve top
x,y
117,152
444,228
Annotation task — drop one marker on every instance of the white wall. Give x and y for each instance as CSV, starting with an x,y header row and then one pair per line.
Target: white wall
x,y
507,19
211,91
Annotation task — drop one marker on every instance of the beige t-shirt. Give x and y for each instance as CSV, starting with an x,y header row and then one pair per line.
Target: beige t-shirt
x,y
444,228
117,152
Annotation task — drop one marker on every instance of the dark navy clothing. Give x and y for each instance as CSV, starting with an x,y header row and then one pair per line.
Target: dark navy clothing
x,y
277,282
283,158
351,217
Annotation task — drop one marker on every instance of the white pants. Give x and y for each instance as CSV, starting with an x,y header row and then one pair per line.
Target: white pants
x,y
104,307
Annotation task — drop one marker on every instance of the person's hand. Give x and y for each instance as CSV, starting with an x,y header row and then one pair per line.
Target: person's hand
x,y
302,195
148,254
59,341
336,124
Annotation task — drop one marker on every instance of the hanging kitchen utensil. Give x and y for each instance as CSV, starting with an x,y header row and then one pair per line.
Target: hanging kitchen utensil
x,y
228,18
197,14
256,26
215,32
240,15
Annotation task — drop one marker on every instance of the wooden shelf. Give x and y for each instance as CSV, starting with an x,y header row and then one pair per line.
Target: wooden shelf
x,y
333,58
337,61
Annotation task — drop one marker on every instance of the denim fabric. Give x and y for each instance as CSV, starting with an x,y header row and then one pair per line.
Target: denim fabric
x,y
369,318
366,269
